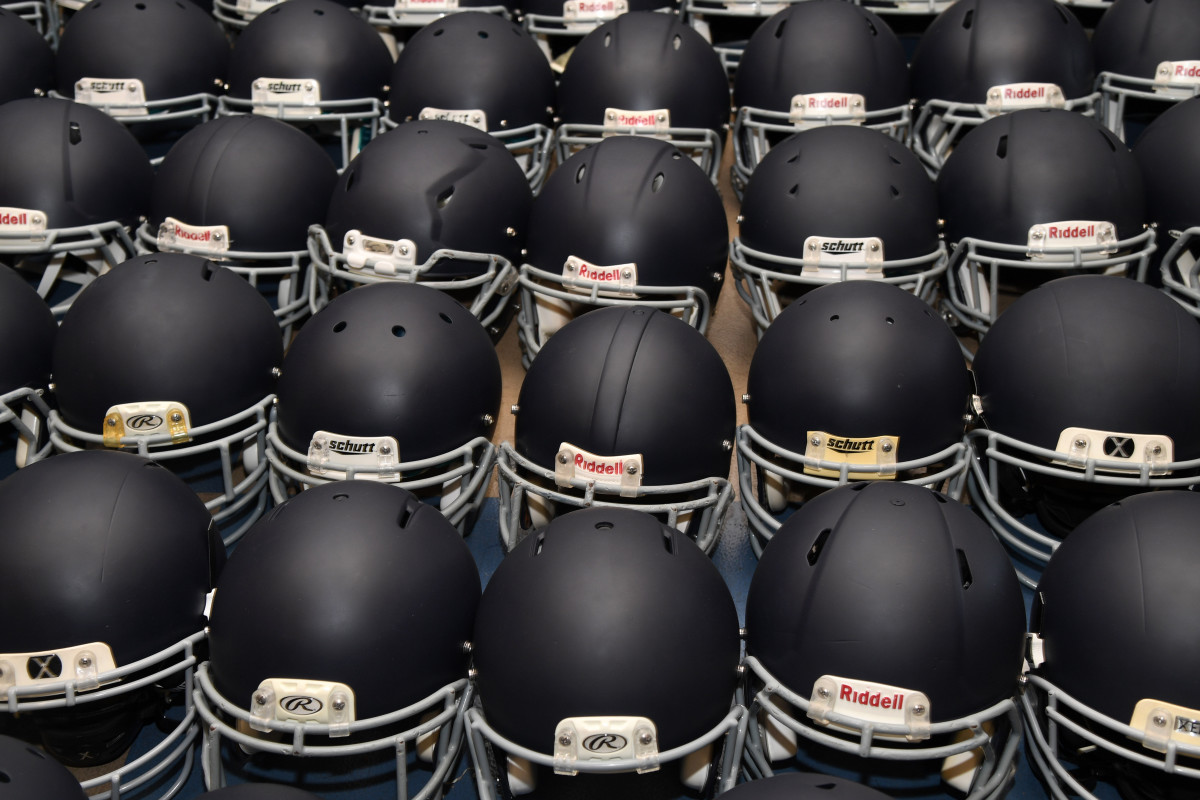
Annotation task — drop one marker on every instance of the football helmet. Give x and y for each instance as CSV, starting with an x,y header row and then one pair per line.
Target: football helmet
x,y
26,60
1111,694
645,74
856,381
982,58
484,71
558,25
340,627
67,204
159,63
1170,160
884,621
834,204
629,220
435,202
315,64
403,19
1147,55
1033,195
30,774
606,643
815,63
625,406
242,191
1069,421
804,786
394,382
103,615
187,380
28,326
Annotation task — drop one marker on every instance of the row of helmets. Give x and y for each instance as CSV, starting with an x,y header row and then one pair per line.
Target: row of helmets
x,y
883,624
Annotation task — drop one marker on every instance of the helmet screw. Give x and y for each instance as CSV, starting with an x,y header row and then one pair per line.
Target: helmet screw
x,y
564,457
611,116
874,247
85,661
385,449
726,445
740,219
570,267
318,445
661,117
745,398
815,441
308,86
1156,450
1080,443
510,232
885,446
1159,720
218,236
1037,233
488,419
259,85
631,468
80,86
131,89
994,94
276,372
37,219
475,118
858,103
176,417
339,705
918,711
823,693
351,239
403,249
1164,71
626,273
565,740
812,246
260,699
111,422
645,737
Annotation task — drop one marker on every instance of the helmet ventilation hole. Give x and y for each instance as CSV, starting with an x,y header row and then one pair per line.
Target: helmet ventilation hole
x,y
320,12
814,552
350,180
604,526
669,541
341,326
968,18
794,158
481,34
834,318
779,29
74,133
792,191
207,272
1109,141
341,497
4,778
539,543
439,31
443,199
140,6
1002,147
676,155
1062,14
964,569
657,183
677,42
895,160
579,173
895,191
406,515
889,320
398,331
607,39
445,318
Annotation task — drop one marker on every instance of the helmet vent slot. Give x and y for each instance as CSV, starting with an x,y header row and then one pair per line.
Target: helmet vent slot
x,y
1002,146
350,180
406,514
895,191
74,133
889,320
968,18
579,173
341,326
445,318
140,6
964,569
779,29
439,31
1109,141
834,318
792,191
607,39
604,526
208,271
481,34
443,199
871,28
539,543
677,42
814,552
398,331
669,541
657,183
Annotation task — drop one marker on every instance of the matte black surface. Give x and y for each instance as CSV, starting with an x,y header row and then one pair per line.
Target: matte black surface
x,y
1135,36
27,773
356,582
1169,154
27,324
803,786
26,60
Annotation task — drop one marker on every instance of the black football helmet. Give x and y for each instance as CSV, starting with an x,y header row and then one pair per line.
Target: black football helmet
x,y
1110,693
626,221
815,63
120,556
30,774
1147,56
315,64
393,382
340,627
68,203
28,326
144,62
1084,391
482,70
606,643
1169,156
856,381
1033,195
26,60
435,202
884,621
803,786
243,191
174,357
625,406
645,74
558,25
983,58
835,204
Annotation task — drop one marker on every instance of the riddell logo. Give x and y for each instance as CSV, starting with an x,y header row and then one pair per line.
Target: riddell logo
x,y
14,219
192,236
351,448
828,102
283,87
846,693
851,445
598,466
841,247
1074,232
635,120
599,274
1187,70
596,7
1029,93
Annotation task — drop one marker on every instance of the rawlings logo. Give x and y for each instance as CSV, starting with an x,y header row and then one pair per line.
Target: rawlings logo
x,y
144,422
605,743
301,705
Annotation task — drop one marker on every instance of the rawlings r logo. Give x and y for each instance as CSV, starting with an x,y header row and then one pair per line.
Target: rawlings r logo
x,y
142,422
605,743
301,705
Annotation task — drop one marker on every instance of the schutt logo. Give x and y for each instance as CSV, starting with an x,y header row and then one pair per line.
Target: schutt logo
x,y
145,422
605,743
301,705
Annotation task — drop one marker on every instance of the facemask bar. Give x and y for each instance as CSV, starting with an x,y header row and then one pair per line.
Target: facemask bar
x,y
200,106
407,14
177,747
480,736
943,471
973,276
98,248
756,284
689,303
1115,89
41,14
467,468
702,145
245,431
238,14
941,124
286,271
531,145
995,771
496,280
356,120
1058,708
26,410
992,452
520,479
752,128
906,7
440,713
1181,270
